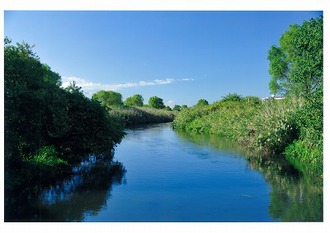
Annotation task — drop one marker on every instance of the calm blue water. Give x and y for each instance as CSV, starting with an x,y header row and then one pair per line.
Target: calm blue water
x,y
169,178
176,176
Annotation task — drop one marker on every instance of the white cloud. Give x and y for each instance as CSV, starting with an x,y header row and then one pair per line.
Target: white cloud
x,y
93,87
186,79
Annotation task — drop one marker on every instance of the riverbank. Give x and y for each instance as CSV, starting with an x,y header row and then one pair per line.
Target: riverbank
x,y
272,128
131,116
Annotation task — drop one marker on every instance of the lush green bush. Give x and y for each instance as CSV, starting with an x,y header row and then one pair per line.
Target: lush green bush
x,y
47,128
47,160
308,149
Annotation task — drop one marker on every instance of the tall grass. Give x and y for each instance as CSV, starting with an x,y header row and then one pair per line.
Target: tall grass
x,y
130,116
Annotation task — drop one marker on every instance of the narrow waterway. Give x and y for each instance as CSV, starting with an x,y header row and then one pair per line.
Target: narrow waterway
x,y
173,176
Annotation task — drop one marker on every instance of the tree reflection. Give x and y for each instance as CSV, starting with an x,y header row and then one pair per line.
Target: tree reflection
x,y
84,193
294,196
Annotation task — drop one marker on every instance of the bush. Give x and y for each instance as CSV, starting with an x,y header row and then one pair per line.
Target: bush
x,y
47,128
306,157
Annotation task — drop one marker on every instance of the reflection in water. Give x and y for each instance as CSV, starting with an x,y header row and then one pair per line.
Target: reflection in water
x,y
294,196
84,193
172,179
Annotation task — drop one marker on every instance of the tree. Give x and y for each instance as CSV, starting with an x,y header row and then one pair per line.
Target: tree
x,y
232,97
156,102
177,108
202,102
296,66
135,100
108,99
40,116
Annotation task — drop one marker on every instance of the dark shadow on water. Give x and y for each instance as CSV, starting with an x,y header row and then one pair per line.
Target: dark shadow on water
x,y
294,196
84,193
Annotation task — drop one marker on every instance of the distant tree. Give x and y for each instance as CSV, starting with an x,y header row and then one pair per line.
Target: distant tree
x,y
296,66
108,99
232,97
202,102
177,108
135,100
184,107
156,102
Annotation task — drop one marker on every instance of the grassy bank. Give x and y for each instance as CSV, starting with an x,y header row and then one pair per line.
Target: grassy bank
x,y
130,116
266,128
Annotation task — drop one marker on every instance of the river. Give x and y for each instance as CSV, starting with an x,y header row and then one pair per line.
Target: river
x,y
176,176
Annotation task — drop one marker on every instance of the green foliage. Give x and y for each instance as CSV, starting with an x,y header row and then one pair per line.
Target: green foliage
x,y
297,69
296,66
232,97
108,99
47,127
130,116
275,126
177,108
47,155
265,128
135,100
308,149
306,156
46,161
202,102
252,99
156,102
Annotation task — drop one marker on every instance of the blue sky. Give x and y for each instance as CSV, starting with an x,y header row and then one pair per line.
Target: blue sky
x,y
180,56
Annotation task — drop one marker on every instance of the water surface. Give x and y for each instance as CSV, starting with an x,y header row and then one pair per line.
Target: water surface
x,y
176,176
169,178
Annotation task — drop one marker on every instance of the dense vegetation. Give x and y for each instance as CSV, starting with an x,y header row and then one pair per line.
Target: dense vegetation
x,y
48,129
132,111
108,99
130,116
290,127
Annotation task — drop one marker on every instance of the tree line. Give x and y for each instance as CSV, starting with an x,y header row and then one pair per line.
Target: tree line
x,y
111,99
